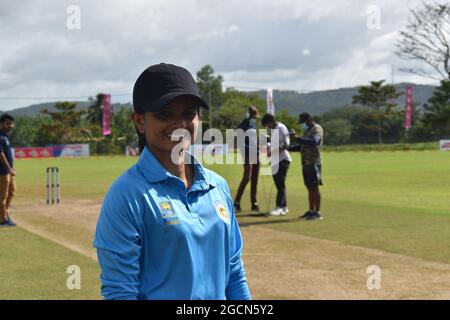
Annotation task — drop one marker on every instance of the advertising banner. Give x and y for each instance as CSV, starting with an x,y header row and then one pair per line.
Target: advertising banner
x,y
33,152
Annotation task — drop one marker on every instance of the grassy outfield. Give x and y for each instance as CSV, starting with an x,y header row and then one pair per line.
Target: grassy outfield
x,y
81,178
32,267
393,201
417,181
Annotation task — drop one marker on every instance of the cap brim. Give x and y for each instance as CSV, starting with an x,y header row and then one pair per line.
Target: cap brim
x,y
161,102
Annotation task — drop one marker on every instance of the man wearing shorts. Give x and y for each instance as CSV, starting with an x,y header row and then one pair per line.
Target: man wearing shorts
x,y
7,172
310,145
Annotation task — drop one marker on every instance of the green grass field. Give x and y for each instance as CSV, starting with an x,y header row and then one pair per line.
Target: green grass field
x,y
36,268
395,201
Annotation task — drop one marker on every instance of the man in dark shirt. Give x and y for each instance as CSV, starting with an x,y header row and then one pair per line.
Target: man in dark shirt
x,y
7,172
249,151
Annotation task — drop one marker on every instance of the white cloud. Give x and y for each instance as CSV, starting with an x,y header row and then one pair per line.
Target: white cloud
x,y
286,44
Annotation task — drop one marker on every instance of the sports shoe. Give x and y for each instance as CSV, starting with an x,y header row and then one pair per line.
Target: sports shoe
x,y
255,206
11,223
5,224
314,216
277,211
285,211
306,215
237,207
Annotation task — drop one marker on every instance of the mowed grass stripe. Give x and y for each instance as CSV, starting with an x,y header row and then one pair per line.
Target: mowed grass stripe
x,y
32,267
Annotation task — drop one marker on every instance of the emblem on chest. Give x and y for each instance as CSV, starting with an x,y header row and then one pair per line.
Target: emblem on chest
x,y
168,214
222,212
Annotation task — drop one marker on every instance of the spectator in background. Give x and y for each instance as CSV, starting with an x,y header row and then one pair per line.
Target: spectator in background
x,y
250,154
310,145
7,172
280,160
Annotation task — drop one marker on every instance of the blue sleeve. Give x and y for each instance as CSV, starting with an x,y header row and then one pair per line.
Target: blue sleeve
x,y
237,288
118,243
314,141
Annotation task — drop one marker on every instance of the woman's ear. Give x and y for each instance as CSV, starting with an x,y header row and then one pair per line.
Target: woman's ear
x,y
138,120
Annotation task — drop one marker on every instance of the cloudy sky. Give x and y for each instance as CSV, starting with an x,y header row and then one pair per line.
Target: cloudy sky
x,y
48,50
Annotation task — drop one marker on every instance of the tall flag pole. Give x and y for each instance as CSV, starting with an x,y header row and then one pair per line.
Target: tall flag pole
x,y
409,106
270,105
107,115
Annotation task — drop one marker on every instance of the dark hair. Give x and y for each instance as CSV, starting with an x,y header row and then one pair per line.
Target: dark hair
x,y
304,117
268,118
5,117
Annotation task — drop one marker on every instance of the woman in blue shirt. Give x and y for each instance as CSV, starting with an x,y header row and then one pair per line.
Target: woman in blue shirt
x,y
167,229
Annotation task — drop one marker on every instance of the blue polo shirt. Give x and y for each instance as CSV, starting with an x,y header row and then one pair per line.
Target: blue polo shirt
x,y
5,147
156,240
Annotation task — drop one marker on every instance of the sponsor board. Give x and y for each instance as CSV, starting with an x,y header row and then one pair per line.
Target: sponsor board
x,y
32,152
444,145
71,150
66,150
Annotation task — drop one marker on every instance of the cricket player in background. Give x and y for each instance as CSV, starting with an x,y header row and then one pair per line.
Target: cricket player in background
x,y
250,156
280,159
310,145
7,172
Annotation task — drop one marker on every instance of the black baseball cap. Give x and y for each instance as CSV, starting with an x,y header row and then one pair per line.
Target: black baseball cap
x,y
161,83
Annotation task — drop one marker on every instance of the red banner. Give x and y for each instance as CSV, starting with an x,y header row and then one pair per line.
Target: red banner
x,y
107,114
26,153
409,106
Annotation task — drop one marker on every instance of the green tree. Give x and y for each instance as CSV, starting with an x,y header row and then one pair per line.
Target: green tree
x,y
419,131
123,130
437,112
337,131
26,131
210,87
64,124
123,133
234,109
289,121
95,111
380,99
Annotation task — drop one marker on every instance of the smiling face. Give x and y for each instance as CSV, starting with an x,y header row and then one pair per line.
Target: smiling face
x,y
159,127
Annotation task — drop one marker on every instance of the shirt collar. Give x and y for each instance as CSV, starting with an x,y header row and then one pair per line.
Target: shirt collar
x,y
153,171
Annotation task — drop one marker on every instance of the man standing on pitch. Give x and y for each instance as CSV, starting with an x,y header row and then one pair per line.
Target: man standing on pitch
x,y
310,145
280,160
7,173
250,156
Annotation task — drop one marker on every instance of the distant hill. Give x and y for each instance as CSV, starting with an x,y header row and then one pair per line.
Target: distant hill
x,y
315,103
319,102
35,109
